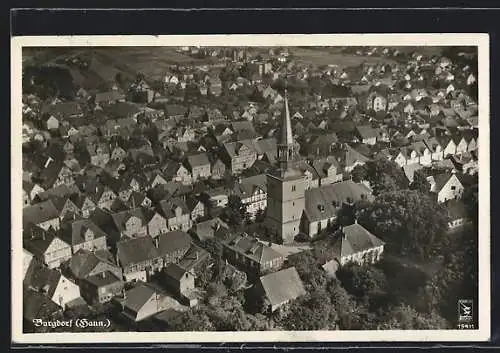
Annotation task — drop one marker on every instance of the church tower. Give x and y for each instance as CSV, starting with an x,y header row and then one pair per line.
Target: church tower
x,y
285,186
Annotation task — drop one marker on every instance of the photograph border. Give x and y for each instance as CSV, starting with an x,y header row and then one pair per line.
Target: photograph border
x,y
481,40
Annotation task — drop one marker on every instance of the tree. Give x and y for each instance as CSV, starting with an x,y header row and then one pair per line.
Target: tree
x,y
314,312
192,320
309,270
410,222
363,281
420,182
405,317
343,303
383,175
235,211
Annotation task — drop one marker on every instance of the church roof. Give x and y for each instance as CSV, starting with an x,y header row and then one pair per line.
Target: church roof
x,y
286,137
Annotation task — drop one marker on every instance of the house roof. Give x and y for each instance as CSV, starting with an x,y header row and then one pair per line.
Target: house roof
x,y
358,239
282,286
410,170
131,251
324,202
267,145
167,207
109,96
174,241
441,179
103,279
253,249
206,229
232,148
74,233
174,271
84,261
197,160
193,257
58,191
120,218
367,132
39,213
138,296
352,156
323,139
36,305
63,109
40,277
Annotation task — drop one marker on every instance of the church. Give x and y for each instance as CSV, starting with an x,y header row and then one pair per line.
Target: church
x,y
285,186
292,207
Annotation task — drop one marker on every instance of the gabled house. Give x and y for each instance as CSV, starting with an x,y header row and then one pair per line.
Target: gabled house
x,y
101,288
252,256
156,224
280,288
51,283
328,170
45,246
44,215
354,243
198,165
142,302
176,213
446,186
172,246
323,203
448,144
239,155
130,223
85,263
435,148
177,172
30,191
217,169
196,208
253,193
83,234
139,258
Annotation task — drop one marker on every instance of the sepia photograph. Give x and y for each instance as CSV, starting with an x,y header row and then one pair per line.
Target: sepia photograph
x,y
250,188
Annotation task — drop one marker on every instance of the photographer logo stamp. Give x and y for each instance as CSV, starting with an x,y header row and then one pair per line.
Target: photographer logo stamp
x,y
465,314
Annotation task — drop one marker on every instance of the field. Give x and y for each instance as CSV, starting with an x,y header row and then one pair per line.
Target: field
x,y
333,56
154,62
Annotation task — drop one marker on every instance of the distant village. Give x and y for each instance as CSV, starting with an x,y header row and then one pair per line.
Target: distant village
x,y
139,195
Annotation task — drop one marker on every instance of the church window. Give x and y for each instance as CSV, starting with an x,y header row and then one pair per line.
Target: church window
x,y
293,187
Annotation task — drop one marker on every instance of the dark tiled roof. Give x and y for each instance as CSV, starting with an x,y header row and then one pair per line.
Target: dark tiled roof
x,y
103,279
173,241
174,271
131,251
39,213
358,239
74,232
83,261
37,305
40,277
253,249
282,286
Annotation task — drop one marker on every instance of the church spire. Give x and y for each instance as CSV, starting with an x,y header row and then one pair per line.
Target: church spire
x,y
286,144
286,125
